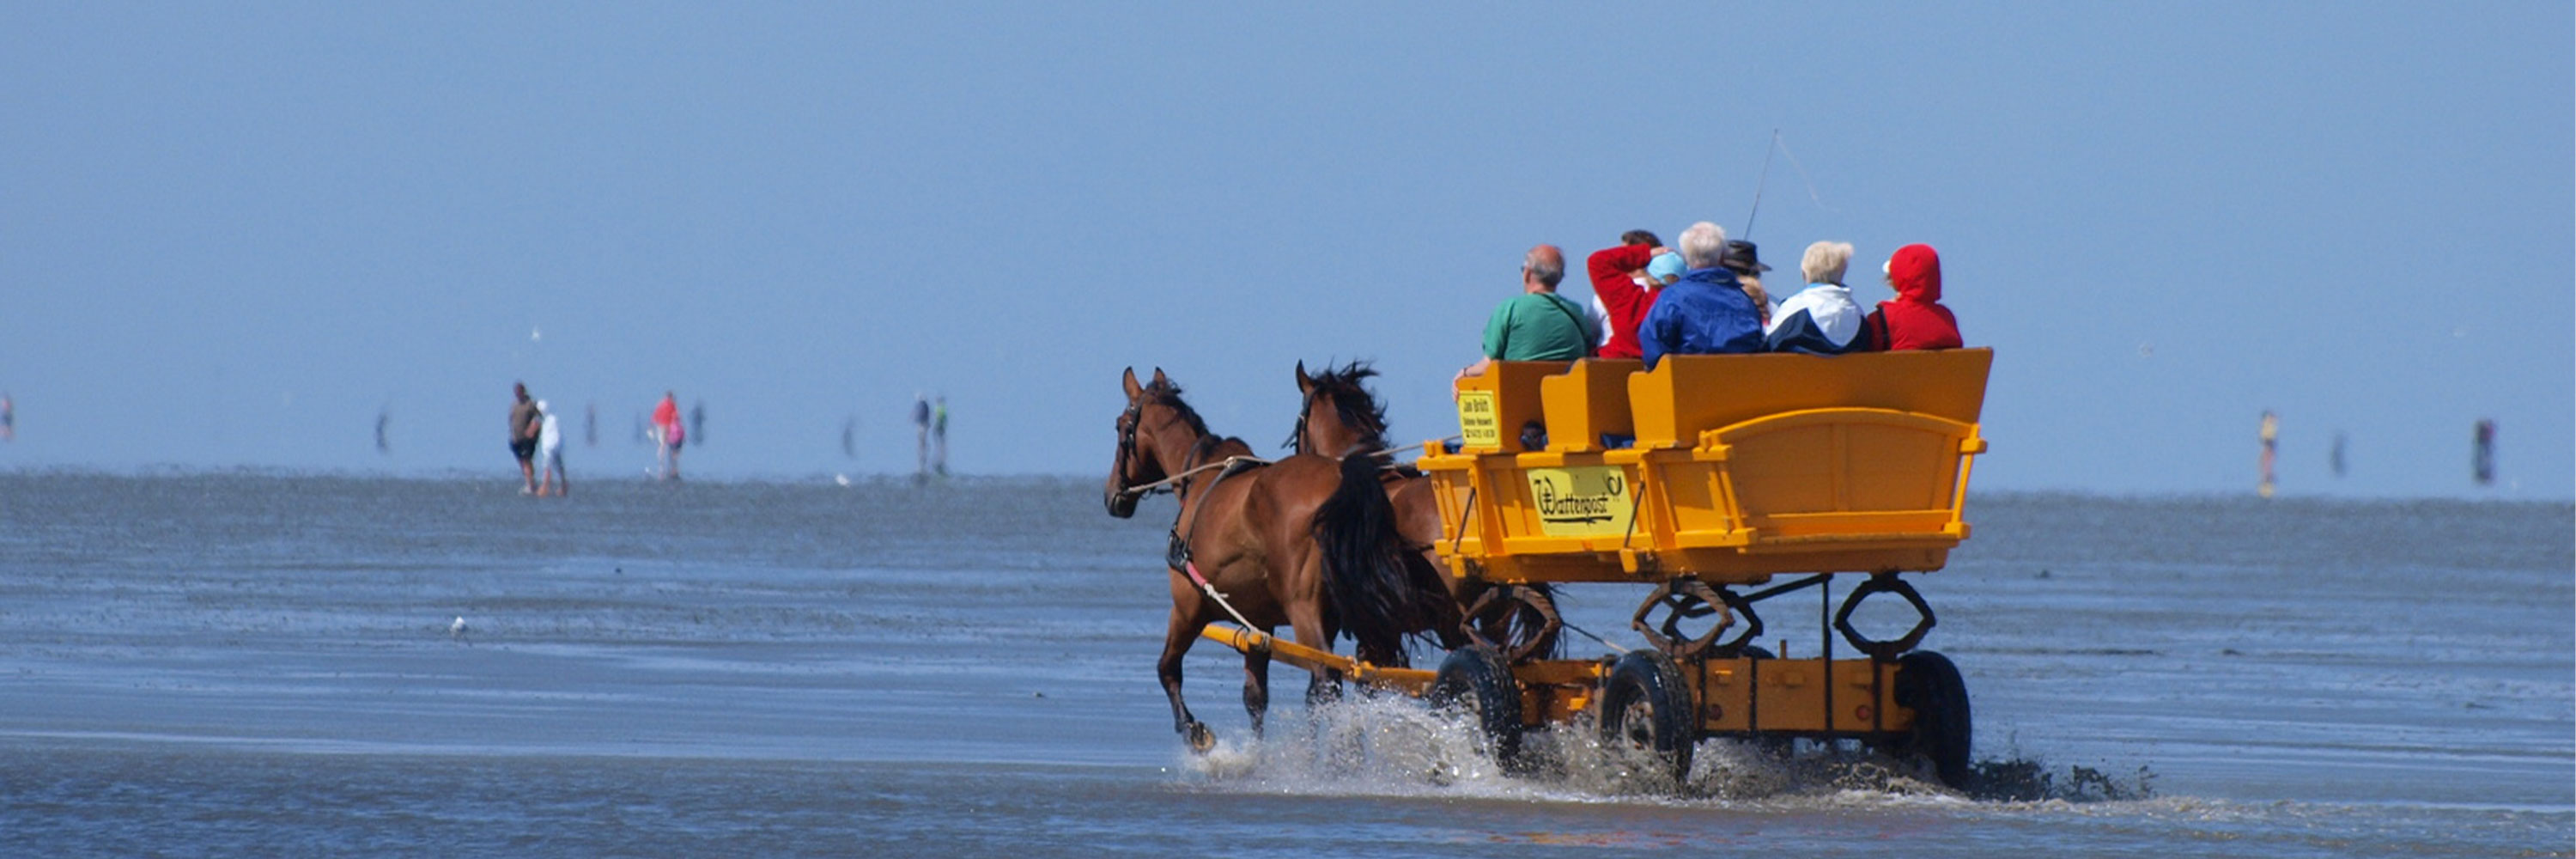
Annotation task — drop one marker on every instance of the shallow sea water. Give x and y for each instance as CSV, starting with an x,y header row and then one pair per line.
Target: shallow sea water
x,y
256,664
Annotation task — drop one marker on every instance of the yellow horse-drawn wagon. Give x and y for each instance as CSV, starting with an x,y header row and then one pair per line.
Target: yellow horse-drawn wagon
x,y
1705,479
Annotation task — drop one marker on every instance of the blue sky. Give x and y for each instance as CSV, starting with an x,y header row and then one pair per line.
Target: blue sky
x,y
232,234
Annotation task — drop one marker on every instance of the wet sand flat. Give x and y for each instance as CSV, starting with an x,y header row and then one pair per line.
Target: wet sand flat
x,y
249,663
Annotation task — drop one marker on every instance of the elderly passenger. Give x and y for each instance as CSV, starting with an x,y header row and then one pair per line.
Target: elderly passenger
x,y
1916,319
1538,324
1746,261
1705,312
1822,319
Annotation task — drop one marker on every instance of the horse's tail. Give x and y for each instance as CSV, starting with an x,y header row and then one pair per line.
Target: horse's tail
x,y
1381,589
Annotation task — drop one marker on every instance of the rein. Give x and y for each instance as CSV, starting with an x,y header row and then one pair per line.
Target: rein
x,y
1167,484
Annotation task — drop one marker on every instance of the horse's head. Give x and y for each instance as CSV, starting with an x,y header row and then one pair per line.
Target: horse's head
x,y
1152,411
1337,413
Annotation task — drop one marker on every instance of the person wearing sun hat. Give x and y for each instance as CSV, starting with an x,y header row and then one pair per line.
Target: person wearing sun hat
x,y
1746,261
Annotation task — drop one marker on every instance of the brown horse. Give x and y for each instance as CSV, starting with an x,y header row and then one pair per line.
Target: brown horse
x,y
1292,542
1340,417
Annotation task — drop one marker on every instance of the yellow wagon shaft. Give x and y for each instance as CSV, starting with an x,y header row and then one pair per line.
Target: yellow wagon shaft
x,y
1411,681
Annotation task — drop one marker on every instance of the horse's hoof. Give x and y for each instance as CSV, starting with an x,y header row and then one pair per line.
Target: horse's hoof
x,y
1201,739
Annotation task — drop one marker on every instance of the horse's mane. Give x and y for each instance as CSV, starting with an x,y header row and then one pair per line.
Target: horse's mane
x,y
1168,393
1351,399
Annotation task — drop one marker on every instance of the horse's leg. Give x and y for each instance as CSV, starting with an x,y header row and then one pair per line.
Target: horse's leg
x,y
1308,620
1184,631
1256,686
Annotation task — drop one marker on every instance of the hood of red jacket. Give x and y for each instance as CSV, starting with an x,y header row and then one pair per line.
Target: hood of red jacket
x,y
1915,272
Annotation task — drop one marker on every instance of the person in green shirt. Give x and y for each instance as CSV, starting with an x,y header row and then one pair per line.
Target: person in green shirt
x,y
1538,324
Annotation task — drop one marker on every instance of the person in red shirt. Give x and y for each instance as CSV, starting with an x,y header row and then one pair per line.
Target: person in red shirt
x,y
1916,319
1614,272
666,418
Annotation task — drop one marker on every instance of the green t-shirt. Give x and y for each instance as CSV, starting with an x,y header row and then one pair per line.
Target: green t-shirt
x,y
1537,326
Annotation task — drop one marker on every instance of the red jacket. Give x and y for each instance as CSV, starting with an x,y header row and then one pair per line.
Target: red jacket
x,y
1916,319
1623,298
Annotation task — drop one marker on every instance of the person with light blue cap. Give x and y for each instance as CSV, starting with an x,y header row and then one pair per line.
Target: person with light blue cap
x,y
1662,271
1622,289
1665,268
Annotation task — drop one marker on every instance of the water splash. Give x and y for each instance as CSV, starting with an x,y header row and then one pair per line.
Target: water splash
x,y
1394,746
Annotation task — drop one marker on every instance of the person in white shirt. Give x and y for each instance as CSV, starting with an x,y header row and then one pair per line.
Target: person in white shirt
x,y
1821,319
550,452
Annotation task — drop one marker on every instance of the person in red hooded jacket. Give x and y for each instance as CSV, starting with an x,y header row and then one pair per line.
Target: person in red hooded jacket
x,y
1916,319
1623,300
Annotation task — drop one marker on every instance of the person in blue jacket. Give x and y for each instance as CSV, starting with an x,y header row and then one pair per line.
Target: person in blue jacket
x,y
1704,313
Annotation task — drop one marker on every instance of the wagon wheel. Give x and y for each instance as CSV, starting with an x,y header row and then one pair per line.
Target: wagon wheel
x,y
1646,707
1929,685
1477,682
1518,620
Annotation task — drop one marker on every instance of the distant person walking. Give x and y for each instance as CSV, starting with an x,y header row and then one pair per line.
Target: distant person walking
x,y
939,435
550,451
671,435
921,429
8,419
2271,432
2482,465
523,436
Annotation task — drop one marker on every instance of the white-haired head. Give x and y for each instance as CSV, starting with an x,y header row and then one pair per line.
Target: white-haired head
x,y
1703,245
1826,262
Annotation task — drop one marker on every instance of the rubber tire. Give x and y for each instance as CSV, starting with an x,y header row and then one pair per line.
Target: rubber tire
x,y
1480,680
1648,680
1928,684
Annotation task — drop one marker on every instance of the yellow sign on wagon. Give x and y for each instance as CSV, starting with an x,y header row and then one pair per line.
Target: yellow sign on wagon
x,y
1582,501
1477,423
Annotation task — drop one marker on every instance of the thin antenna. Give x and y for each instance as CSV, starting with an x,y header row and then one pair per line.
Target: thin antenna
x,y
1802,174
1759,184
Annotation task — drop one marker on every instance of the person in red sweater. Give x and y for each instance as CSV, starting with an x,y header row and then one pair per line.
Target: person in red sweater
x,y
1916,319
1613,273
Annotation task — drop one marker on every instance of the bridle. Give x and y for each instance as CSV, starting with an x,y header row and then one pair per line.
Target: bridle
x,y
1128,424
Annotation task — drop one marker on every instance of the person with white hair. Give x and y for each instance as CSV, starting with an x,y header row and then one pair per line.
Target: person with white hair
x,y
1822,319
1707,311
